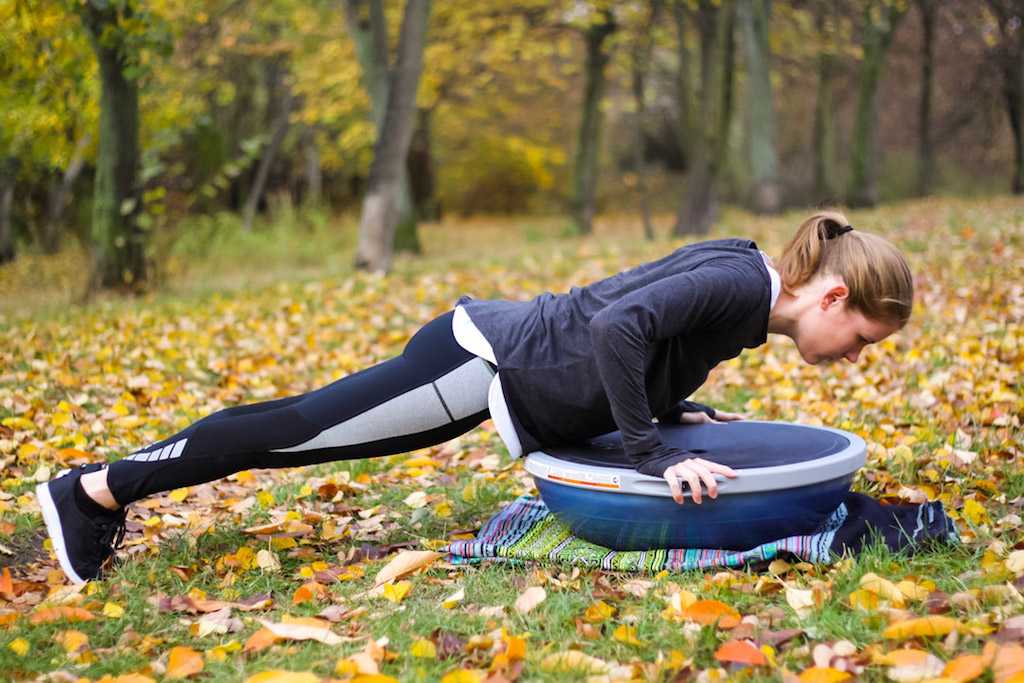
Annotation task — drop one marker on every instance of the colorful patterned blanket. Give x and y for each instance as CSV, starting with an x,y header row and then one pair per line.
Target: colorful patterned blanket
x,y
526,530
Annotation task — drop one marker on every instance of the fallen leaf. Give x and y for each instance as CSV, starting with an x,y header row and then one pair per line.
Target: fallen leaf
x,y
818,674
708,612
183,662
573,661
624,633
530,598
740,652
405,563
279,676
303,628
934,625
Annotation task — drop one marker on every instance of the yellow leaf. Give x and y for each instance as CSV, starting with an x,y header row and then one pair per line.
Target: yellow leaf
x,y
974,512
183,662
935,625
220,652
113,610
423,648
573,661
178,495
823,674
396,592
624,633
279,676
598,611
463,676
19,646
72,641
454,599
265,498
864,600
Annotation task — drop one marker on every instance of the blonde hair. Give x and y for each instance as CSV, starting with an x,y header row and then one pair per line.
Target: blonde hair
x,y
876,273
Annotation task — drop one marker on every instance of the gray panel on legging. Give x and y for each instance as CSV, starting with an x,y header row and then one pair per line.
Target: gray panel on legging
x,y
464,389
416,410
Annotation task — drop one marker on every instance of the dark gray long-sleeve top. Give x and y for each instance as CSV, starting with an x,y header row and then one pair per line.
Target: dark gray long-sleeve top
x,y
615,353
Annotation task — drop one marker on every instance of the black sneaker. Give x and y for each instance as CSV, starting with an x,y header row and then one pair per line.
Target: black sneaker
x,y
82,542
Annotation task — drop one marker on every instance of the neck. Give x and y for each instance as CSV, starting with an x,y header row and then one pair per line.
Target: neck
x,y
784,315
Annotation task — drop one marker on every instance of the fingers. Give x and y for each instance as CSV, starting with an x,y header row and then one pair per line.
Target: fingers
x,y
695,471
673,485
692,472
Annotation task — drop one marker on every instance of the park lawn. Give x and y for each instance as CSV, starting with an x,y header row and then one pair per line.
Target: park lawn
x,y
938,403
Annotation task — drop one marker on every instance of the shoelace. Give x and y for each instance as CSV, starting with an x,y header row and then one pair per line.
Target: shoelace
x,y
111,534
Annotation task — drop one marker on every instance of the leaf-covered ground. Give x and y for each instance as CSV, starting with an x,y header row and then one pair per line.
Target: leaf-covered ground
x,y
272,575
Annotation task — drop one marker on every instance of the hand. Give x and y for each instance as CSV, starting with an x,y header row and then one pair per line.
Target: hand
x,y
694,470
698,417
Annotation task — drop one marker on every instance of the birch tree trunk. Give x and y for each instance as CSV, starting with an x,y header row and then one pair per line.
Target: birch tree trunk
x,y
380,215
366,22
588,144
118,257
753,17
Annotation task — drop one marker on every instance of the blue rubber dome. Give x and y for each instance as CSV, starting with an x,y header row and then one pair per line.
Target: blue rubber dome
x,y
790,478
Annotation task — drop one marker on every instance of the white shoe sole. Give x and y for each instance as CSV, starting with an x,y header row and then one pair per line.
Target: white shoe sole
x,y
53,527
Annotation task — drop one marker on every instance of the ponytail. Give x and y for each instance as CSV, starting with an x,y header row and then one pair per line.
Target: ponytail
x,y
876,273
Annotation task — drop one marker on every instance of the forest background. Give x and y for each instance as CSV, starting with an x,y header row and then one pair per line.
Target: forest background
x,y
134,135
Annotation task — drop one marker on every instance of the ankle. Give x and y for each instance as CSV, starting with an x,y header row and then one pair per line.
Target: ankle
x,y
94,485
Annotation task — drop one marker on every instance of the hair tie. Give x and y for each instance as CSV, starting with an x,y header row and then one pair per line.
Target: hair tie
x,y
832,233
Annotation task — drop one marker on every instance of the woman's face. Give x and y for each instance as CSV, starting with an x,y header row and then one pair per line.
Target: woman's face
x,y
829,330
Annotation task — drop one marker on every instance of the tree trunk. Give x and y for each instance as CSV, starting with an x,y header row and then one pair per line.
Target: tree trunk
x,y
313,171
57,200
380,215
700,205
119,245
863,189
684,92
279,108
754,18
641,63
824,114
420,167
366,22
588,144
8,171
925,152
1010,58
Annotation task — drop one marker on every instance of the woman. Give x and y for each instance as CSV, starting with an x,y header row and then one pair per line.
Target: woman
x,y
561,368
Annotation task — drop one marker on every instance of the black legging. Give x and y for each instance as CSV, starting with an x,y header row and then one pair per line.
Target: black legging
x,y
434,391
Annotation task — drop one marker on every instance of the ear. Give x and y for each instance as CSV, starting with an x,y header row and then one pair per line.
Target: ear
x,y
835,296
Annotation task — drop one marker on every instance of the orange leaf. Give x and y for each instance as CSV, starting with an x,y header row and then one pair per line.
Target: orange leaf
x,y
48,615
6,584
1008,660
260,640
741,652
707,612
183,662
965,668
308,592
